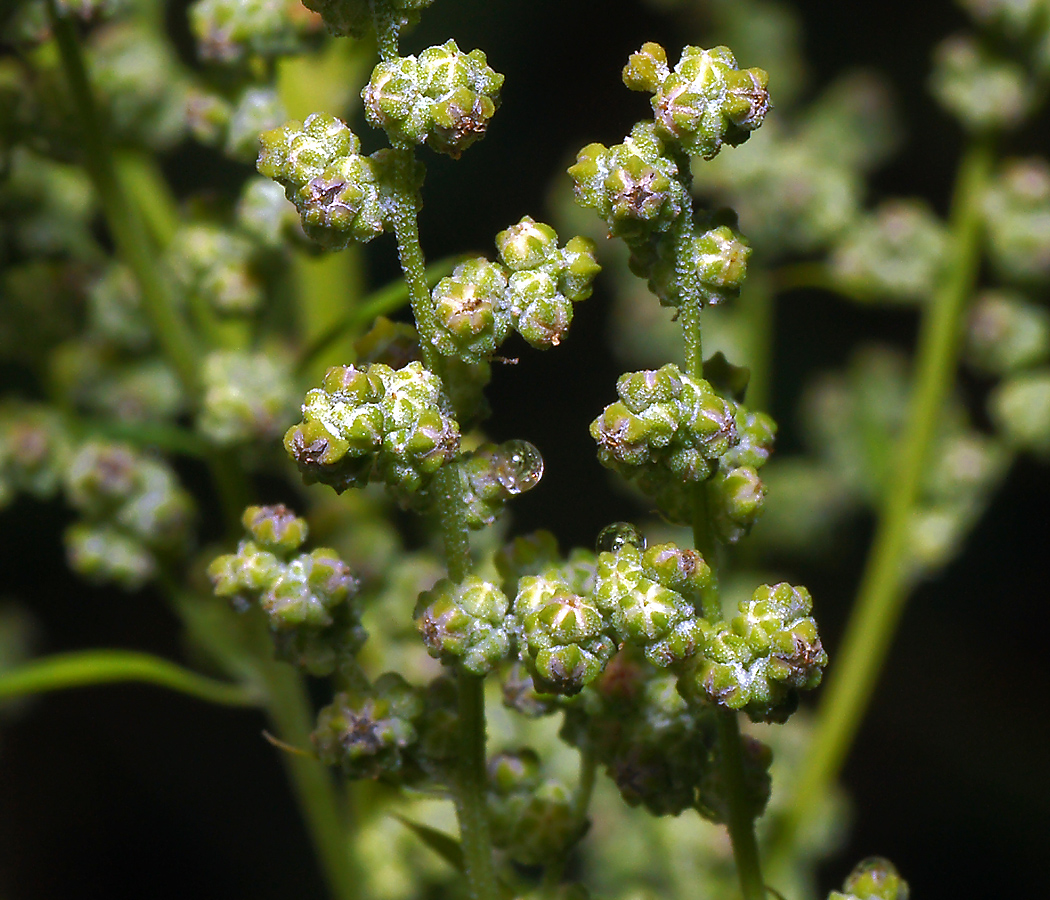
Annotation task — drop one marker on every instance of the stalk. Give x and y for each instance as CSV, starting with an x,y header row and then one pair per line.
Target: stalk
x,y
741,824
883,587
468,778
134,246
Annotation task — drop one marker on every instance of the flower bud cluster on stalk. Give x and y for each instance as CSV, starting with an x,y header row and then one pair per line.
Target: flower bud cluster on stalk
x,y
181,339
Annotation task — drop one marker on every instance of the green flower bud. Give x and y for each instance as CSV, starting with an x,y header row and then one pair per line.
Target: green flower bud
x,y
265,214
632,590
757,660
874,878
668,428
634,187
445,98
1017,220
335,189
1006,333
34,450
103,554
756,433
735,501
357,17
374,424
367,733
465,623
243,576
275,528
228,30
1020,408
565,644
215,265
984,92
247,396
720,257
307,589
137,78
532,821
897,253
541,314
259,109
705,101
207,115
472,311
102,477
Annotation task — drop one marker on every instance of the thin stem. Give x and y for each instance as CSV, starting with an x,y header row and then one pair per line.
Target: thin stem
x,y
741,824
470,789
91,667
468,777
741,821
242,645
389,298
124,220
883,587
142,179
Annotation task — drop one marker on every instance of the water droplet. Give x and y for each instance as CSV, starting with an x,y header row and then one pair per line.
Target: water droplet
x,y
615,537
519,466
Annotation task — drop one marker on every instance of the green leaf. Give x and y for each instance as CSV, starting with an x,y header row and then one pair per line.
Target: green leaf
x,y
444,845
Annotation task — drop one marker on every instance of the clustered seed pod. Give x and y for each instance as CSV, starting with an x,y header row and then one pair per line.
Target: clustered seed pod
x,y
669,430
374,423
1017,221
985,92
357,17
465,623
654,746
634,186
34,449
874,878
533,820
228,30
338,192
215,265
135,514
650,597
896,253
759,659
705,102
247,396
532,290
368,732
444,97
305,596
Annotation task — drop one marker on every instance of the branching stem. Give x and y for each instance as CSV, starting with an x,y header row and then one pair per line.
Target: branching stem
x,y
741,822
468,778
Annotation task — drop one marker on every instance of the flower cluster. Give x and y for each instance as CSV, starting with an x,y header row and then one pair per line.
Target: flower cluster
x,y
759,659
444,98
465,622
669,430
135,514
494,473
874,878
367,732
533,820
247,396
306,596
705,101
532,289
339,193
374,423
357,17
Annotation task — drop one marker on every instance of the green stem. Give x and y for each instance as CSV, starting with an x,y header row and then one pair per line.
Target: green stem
x,y
741,822
242,645
123,218
468,779
91,667
142,179
883,587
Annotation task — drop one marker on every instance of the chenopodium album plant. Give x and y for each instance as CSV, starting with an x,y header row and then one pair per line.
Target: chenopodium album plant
x,y
645,654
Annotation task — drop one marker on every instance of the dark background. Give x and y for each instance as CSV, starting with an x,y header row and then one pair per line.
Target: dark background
x,y
135,792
